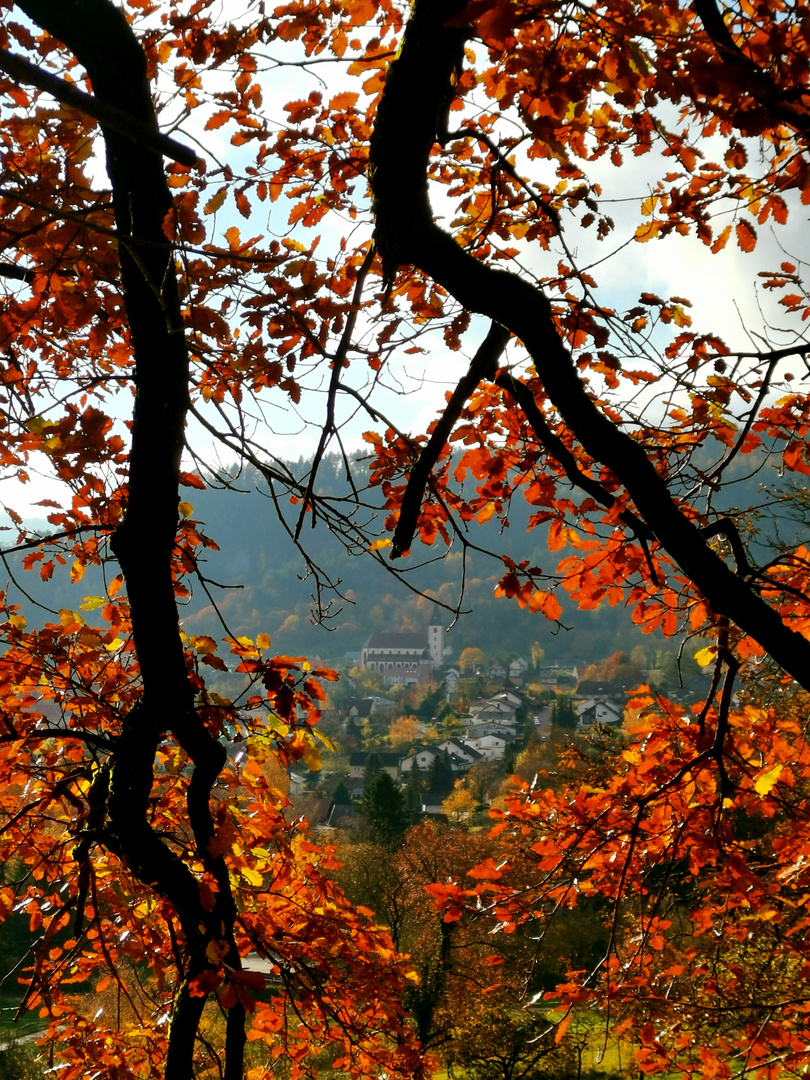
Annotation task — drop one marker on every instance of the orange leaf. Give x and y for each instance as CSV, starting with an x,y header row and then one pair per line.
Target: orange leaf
x,y
562,1027
746,236
218,119
545,602
343,101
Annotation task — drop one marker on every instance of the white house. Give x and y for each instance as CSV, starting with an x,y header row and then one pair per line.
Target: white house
x,y
419,759
599,711
490,747
461,750
517,669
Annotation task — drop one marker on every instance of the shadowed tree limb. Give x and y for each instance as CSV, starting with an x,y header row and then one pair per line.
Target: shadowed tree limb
x,y
415,92
782,102
484,365
23,71
103,42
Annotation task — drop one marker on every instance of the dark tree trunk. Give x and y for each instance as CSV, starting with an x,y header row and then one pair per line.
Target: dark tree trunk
x,y
101,39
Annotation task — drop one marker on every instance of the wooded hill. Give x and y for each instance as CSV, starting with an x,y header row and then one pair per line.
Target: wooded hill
x,y
266,584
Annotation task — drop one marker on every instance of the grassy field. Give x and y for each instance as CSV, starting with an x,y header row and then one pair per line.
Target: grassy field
x,y
9,1031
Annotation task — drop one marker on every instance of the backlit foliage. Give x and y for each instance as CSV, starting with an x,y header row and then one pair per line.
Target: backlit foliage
x,y
291,260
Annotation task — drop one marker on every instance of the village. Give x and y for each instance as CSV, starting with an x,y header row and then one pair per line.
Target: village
x,y
450,736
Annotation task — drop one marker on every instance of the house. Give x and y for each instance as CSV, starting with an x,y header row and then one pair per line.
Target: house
x,y
493,710
512,698
359,708
504,729
451,678
343,817
599,711
490,747
297,784
432,803
315,808
404,658
579,669
358,762
548,675
496,715
458,755
461,751
517,669
419,759
602,687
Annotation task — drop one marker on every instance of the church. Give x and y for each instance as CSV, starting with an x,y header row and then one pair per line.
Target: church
x,y
403,658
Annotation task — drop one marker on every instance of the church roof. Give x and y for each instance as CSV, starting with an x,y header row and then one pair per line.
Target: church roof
x,y
394,642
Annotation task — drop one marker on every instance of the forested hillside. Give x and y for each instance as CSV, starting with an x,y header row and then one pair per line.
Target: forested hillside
x,y
260,579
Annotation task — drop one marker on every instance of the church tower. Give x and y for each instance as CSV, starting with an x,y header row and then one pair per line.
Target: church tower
x,y
435,640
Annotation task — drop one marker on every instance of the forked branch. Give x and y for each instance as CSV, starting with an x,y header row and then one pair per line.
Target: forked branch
x,y
416,89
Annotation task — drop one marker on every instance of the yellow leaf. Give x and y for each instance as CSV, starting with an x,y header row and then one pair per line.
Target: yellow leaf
x,y
767,780
263,641
116,643
18,622
312,757
68,617
90,603
216,201
649,205
185,509
253,877
706,656
327,742
203,644
383,542
37,424
647,231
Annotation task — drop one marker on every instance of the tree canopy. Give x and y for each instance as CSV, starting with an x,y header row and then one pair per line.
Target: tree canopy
x,y
195,265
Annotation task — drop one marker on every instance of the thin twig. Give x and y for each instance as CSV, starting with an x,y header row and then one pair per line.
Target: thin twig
x,y
344,345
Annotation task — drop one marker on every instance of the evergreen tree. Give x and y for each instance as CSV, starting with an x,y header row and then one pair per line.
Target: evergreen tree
x,y
341,796
431,704
413,797
372,770
440,774
384,812
562,713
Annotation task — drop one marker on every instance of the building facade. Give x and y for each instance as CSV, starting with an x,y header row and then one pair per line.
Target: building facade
x,y
403,658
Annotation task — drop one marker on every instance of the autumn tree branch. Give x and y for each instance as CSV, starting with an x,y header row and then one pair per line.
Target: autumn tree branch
x,y
109,116
759,83
484,365
102,40
405,132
